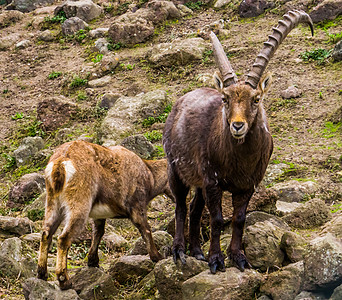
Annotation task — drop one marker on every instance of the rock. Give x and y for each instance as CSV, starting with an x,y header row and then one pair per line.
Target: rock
x,y
9,17
264,297
93,283
295,191
305,296
114,241
294,246
23,44
37,289
139,144
55,112
224,243
272,172
284,284
179,52
98,33
184,10
131,267
102,45
15,261
73,25
337,52
128,111
32,239
259,216
327,10
86,10
15,226
312,214
26,188
37,207
262,245
323,263
108,100
8,41
291,92
284,208
87,138
64,135
337,294
170,276
161,239
107,64
232,284
28,149
27,5
103,81
334,227
46,36
221,3
253,8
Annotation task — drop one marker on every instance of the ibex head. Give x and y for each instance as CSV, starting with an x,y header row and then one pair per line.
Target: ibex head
x,y
243,99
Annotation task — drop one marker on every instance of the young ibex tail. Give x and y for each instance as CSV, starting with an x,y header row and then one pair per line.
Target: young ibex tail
x,y
219,140
87,180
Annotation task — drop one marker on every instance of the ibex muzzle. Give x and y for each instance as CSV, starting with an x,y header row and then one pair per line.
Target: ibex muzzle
x,y
219,140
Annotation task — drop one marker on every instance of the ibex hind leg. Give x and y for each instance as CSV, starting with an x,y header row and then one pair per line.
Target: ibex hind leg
x,y
51,222
77,222
98,231
180,191
196,209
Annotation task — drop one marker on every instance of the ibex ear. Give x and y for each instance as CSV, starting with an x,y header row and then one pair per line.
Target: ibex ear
x,y
218,83
265,83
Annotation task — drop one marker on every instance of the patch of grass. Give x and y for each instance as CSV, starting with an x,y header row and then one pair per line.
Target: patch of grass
x,y
282,103
159,119
194,5
78,82
153,136
17,116
97,58
331,129
36,214
206,56
10,162
127,67
114,46
159,152
54,75
319,55
81,96
59,18
336,207
333,38
324,25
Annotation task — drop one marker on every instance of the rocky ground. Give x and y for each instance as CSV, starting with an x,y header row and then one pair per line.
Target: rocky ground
x,y
108,72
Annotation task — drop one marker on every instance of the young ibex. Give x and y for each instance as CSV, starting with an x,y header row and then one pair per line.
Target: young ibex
x,y
219,140
84,179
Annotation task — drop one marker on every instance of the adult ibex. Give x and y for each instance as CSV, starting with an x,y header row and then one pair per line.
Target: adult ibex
x,y
219,140
84,179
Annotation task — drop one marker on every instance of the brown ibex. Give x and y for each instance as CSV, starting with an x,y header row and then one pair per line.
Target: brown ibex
x,y
87,180
218,140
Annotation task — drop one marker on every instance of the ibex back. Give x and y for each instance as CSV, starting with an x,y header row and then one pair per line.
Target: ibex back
x,y
219,140
84,179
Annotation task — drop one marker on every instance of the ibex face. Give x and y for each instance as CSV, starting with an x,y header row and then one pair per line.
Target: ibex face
x,y
242,103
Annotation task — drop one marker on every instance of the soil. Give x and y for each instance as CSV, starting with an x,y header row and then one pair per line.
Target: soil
x,y
306,130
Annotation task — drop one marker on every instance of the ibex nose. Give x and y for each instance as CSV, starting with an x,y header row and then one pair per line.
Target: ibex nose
x,y
238,125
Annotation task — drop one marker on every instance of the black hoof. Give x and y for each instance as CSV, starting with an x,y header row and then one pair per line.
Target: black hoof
x,y
179,254
216,263
200,257
240,261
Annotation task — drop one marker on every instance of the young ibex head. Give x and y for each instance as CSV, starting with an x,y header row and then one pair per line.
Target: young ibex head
x,y
243,99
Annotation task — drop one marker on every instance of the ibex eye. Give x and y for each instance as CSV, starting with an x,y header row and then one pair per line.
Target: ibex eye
x,y
256,99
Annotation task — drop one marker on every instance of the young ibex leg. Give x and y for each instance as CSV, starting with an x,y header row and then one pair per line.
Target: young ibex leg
x,y
51,222
213,196
180,192
72,228
139,219
235,251
196,209
98,231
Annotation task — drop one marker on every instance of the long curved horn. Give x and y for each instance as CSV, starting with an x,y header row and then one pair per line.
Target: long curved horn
x,y
291,20
221,59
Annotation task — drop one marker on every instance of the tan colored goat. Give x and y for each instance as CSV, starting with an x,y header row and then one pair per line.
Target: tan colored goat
x,y
87,180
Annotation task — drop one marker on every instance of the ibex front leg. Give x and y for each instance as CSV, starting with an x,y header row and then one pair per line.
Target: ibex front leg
x,y
213,195
98,231
240,202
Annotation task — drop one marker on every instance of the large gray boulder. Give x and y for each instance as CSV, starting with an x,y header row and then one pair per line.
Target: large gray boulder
x,y
15,260
262,245
254,8
86,10
15,226
139,144
334,226
26,190
312,214
337,294
337,52
170,276
294,246
327,10
323,263
9,17
37,289
28,5
29,147
128,111
177,53
231,284
284,284
73,25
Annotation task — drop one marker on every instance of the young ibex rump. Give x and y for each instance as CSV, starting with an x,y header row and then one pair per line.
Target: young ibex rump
x,y
219,140
84,179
